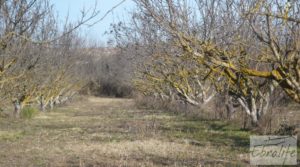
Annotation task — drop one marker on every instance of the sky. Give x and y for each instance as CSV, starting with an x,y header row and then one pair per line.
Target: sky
x,y
95,33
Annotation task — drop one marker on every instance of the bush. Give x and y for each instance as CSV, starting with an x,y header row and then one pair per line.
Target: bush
x,y
28,112
286,129
115,89
107,88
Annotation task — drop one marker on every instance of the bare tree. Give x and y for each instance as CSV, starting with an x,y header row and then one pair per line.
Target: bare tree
x,y
249,46
36,56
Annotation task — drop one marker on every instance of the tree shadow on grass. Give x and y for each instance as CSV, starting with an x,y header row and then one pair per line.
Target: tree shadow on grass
x,y
217,133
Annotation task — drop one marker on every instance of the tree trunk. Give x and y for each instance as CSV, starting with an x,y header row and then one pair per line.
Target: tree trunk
x,y
42,104
230,109
43,108
251,109
51,104
57,100
254,118
17,108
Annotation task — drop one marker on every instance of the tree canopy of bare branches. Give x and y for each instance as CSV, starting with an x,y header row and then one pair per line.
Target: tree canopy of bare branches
x,y
37,56
249,47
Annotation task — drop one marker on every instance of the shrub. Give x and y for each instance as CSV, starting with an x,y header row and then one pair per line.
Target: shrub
x,y
28,112
115,89
286,129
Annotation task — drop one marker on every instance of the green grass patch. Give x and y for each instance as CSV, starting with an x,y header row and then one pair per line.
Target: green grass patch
x,y
28,112
11,135
216,133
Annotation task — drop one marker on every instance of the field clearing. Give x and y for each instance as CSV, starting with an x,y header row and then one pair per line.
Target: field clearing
x,y
113,132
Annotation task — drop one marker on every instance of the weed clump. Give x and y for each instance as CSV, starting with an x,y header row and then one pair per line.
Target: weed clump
x,y
28,112
286,129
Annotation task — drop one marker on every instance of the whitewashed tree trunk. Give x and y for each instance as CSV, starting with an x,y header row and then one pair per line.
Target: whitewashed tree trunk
x,y
57,100
51,103
257,106
42,104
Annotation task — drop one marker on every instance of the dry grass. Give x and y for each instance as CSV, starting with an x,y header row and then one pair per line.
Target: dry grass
x,y
113,132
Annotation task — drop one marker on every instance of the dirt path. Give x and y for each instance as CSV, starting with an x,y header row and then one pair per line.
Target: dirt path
x,y
113,132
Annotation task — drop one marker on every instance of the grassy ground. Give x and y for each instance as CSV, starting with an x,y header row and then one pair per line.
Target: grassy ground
x,y
112,132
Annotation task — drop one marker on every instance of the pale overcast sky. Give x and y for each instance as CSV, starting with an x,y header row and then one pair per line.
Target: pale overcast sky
x,y
73,7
